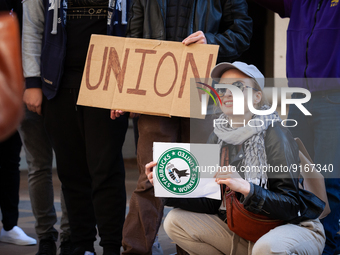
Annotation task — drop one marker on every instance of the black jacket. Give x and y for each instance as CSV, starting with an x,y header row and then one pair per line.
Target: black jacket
x,y
283,199
224,22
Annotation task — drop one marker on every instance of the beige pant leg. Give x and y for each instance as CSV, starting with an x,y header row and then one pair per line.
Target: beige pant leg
x,y
199,233
307,238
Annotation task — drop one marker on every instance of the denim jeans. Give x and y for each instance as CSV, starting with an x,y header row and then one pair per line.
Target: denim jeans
x,y
39,158
320,133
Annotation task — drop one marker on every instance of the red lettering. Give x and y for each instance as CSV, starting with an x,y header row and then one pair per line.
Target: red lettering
x,y
136,90
114,65
190,60
88,67
168,54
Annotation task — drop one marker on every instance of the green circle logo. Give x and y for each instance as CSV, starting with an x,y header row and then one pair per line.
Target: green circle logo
x,y
177,171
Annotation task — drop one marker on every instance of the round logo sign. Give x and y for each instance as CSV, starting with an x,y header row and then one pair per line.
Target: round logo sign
x,y
177,171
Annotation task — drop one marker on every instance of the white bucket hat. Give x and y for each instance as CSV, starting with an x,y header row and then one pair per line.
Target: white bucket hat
x,y
249,70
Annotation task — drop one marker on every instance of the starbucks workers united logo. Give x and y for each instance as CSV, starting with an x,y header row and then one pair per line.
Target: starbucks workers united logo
x,y
177,171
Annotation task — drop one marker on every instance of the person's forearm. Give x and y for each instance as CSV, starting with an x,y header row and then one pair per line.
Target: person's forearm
x,y
33,28
273,5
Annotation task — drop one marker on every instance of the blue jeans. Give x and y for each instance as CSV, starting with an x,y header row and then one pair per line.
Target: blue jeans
x,y
320,133
39,158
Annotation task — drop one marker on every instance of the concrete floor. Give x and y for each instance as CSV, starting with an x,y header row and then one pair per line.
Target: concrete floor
x,y
26,218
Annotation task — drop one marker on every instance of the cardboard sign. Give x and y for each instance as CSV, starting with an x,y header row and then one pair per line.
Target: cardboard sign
x,y
186,170
145,76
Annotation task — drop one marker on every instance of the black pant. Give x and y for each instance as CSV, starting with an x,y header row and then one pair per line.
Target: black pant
x,y
88,148
10,180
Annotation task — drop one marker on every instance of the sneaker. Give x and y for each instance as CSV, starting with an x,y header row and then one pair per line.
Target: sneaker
x,y
80,251
89,253
47,247
16,236
85,253
66,248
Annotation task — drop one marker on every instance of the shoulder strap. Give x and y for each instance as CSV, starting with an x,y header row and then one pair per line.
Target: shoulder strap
x,y
225,156
313,181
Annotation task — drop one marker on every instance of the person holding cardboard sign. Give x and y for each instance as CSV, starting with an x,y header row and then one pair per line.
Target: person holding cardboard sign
x,y
262,211
220,22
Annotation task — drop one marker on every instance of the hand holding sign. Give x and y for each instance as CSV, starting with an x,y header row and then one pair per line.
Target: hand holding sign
x,y
197,37
149,170
230,177
117,113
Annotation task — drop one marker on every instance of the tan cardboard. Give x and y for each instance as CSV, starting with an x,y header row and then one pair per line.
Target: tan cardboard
x,y
145,76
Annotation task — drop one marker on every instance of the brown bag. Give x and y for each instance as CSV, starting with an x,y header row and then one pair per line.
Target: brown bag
x,y
313,181
247,225
251,226
11,77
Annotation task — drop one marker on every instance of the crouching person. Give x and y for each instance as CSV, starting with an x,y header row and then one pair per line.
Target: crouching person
x,y
207,226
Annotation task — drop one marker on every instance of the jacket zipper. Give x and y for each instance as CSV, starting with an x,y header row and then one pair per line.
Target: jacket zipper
x,y
319,6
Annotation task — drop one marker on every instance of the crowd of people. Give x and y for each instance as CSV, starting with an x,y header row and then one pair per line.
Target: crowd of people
x,y
88,141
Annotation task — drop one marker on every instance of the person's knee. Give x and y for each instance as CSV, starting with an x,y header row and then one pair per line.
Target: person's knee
x,y
167,224
264,246
39,172
171,223
268,246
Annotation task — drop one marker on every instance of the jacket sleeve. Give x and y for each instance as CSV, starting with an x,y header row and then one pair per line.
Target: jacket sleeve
x,y
136,20
281,199
199,205
235,30
33,29
281,7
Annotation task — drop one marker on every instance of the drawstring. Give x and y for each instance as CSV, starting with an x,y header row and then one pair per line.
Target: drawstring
x,y
121,6
55,17
124,20
234,244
